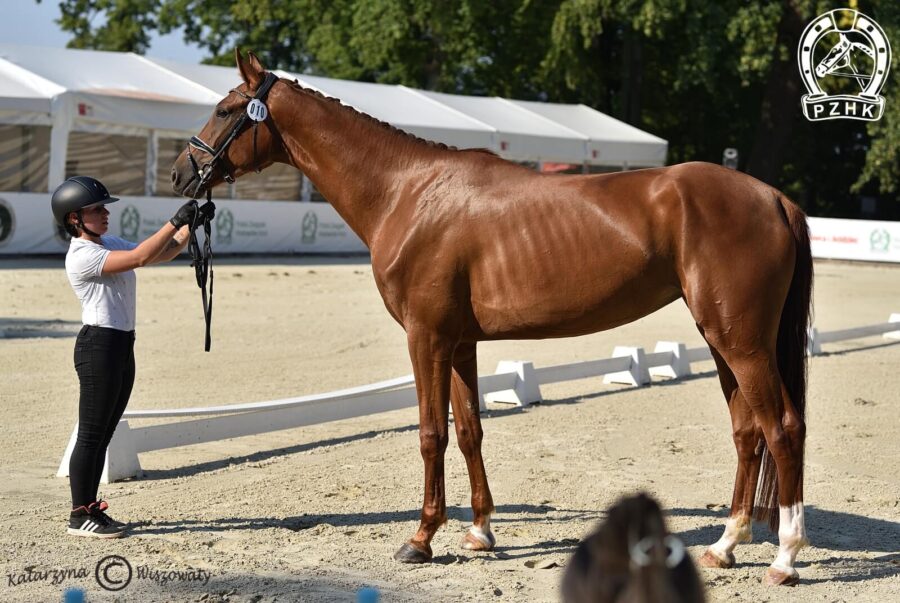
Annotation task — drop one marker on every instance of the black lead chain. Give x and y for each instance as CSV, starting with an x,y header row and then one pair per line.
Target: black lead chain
x,y
201,260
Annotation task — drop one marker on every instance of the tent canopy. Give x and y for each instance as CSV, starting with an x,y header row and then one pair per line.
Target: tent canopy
x,y
123,93
611,142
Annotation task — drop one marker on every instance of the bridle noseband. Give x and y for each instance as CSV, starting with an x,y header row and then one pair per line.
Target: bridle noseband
x,y
204,173
202,258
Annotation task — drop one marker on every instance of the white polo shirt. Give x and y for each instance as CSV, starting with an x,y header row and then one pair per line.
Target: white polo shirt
x,y
106,300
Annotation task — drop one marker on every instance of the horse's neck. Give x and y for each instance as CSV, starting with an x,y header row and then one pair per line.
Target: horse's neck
x,y
353,161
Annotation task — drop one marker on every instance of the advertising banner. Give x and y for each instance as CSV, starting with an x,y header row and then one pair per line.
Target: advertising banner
x,y
27,226
869,240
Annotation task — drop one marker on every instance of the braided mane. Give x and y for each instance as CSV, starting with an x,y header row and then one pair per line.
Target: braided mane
x,y
382,124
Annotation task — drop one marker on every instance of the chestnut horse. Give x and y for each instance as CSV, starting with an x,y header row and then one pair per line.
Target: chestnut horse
x,y
468,247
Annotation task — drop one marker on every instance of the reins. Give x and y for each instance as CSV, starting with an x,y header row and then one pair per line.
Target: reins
x,y
201,260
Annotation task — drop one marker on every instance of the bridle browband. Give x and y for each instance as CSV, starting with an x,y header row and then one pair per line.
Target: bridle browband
x,y
202,259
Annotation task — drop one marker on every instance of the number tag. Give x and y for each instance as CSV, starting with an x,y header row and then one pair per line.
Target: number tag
x,y
257,110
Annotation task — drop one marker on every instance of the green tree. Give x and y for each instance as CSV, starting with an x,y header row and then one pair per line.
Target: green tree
x,y
704,75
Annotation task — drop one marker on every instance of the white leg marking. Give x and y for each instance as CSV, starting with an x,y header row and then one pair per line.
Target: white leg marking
x,y
791,537
483,533
738,529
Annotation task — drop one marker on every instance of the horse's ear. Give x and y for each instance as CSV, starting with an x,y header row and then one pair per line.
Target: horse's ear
x,y
250,68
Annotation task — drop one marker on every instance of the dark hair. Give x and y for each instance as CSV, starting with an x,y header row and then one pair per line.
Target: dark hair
x,y
632,558
70,228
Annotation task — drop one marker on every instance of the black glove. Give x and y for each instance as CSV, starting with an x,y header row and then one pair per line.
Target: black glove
x,y
207,211
185,214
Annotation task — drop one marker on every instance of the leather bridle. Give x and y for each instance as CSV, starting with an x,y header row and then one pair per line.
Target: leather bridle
x,y
202,258
204,173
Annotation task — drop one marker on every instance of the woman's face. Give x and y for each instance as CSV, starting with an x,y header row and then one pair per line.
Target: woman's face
x,y
95,218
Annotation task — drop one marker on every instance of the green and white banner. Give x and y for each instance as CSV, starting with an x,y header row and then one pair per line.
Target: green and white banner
x,y
27,227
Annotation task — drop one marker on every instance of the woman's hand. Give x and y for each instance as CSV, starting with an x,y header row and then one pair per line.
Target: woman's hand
x,y
185,214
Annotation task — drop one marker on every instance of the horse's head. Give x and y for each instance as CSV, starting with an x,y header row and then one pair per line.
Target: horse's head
x,y
239,137
834,57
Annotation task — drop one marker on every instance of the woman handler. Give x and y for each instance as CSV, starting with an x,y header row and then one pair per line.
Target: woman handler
x,y
101,271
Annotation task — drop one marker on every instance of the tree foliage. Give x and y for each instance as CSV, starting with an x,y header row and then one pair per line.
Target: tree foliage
x,y
704,75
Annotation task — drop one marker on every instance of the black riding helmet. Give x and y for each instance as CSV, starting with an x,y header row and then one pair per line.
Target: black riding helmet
x,y
75,194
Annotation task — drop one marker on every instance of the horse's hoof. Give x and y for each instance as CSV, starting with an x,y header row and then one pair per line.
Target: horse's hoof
x,y
712,559
780,577
413,553
479,541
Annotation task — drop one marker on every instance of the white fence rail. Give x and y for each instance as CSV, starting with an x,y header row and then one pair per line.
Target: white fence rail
x,y
514,382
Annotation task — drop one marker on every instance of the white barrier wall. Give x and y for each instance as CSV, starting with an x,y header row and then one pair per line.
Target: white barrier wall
x,y
27,226
868,240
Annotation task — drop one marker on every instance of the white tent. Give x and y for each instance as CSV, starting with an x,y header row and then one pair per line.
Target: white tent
x,y
611,142
24,97
520,134
110,92
126,94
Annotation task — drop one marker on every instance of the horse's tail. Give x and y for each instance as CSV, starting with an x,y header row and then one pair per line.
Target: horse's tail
x,y
791,353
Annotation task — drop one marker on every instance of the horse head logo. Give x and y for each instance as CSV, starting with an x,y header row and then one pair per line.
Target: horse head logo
x,y
861,53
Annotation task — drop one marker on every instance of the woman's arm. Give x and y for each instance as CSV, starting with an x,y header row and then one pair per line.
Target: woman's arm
x,y
175,245
150,248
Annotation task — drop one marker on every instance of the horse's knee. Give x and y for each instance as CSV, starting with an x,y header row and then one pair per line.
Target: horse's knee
x,y
433,443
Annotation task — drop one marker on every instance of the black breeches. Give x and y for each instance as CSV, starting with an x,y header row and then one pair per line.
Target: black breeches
x,y
104,361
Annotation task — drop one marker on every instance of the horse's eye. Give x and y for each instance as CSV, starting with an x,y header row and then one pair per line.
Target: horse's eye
x,y
221,113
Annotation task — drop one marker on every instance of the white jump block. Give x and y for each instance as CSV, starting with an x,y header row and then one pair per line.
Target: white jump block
x,y
637,375
121,457
893,334
527,388
813,342
680,366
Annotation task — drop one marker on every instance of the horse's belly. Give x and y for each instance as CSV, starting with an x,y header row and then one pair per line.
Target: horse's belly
x,y
565,303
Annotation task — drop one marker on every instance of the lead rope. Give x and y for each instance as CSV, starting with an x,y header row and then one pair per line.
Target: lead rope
x,y
202,263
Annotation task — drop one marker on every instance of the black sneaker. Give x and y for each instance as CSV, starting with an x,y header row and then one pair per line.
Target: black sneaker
x,y
84,522
99,507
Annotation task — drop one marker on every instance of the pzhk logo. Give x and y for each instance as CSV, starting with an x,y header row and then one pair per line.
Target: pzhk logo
x,y
7,223
130,223
224,226
309,226
855,48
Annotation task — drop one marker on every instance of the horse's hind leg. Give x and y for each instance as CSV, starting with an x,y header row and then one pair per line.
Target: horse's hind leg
x,y
747,437
466,418
784,431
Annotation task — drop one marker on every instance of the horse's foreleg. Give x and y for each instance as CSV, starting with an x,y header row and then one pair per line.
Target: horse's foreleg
x,y
746,436
466,418
431,358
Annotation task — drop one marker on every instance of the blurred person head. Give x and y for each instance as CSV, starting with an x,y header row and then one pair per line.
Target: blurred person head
x,y
632,558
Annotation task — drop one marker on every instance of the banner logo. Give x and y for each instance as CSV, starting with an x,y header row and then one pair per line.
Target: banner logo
x,y
130,223
843,49
224,226
309,226
7,222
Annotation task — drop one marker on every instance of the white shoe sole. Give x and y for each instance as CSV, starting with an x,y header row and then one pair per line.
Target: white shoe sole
x,y
86,534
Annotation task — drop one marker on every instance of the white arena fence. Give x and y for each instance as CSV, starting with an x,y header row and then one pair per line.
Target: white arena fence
x,y
515,382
